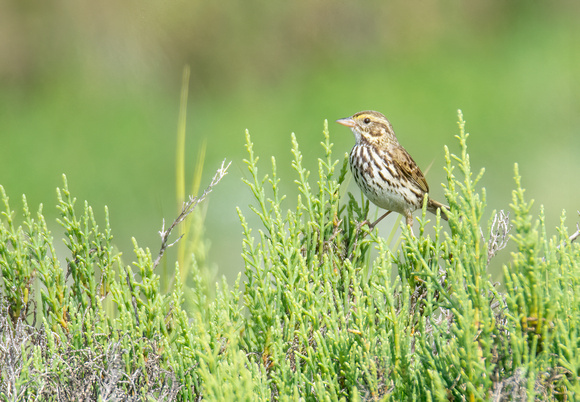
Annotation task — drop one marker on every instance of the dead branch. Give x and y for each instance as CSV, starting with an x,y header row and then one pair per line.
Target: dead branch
x,y
187,209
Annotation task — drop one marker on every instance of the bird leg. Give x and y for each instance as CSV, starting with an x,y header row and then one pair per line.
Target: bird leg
x,y
372,226
409,217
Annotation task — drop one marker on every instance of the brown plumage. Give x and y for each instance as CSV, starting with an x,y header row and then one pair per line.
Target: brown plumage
x,y
384,170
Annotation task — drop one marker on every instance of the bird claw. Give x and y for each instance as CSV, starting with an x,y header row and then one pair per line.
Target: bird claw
x,y
361,224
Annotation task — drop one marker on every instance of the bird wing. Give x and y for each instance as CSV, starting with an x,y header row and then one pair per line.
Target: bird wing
x,y
408,168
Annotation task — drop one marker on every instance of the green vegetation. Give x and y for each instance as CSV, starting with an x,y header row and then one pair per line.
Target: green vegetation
x,y
94,94
319,314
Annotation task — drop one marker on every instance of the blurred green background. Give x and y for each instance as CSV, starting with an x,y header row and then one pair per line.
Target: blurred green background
x,y
91,89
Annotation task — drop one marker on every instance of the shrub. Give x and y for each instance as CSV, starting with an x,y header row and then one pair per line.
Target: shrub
x,y
320,314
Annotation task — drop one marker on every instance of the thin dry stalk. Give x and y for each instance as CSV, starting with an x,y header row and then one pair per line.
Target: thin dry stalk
x,y
187,209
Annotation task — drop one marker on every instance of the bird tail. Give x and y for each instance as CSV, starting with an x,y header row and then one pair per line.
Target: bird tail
x,y
433,206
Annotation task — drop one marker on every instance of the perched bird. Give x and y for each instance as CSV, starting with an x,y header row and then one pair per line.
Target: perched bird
x,y
384,170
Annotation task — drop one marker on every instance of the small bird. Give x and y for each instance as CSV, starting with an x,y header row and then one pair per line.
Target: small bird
x,y
384,170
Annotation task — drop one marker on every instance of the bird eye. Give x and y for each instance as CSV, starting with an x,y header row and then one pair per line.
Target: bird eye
x,y
367,120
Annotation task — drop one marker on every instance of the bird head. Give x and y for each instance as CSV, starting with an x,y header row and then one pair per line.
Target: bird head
x,y
370,126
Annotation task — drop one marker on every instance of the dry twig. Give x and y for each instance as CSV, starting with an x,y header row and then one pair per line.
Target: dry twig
x,y
498,236
187,209
576,234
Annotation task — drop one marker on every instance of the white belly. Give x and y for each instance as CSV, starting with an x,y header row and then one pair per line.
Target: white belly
x,y
392,197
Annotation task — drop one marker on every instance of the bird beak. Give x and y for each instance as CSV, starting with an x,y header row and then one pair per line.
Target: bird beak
x,y
348,122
